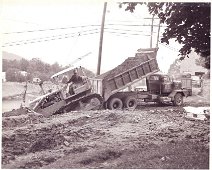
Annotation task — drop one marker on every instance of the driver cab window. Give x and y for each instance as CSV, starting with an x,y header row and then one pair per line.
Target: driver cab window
x,y
166,79
154,78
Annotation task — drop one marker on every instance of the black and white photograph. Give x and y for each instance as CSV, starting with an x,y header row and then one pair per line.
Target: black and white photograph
x,y
93,84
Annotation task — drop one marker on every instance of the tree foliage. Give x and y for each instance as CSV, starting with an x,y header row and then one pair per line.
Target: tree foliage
x,y
34,68
174,67
188,23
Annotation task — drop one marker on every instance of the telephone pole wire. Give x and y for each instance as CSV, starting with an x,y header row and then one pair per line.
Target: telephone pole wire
x,y
101,39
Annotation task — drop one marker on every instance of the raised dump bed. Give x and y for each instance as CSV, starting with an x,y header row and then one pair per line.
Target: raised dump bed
x,y
129,72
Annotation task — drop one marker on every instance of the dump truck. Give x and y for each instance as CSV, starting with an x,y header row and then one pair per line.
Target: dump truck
x,y
160,87
111,90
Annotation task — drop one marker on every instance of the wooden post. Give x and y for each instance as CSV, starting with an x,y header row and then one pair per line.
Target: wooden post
x,y
101,39
158,34
151,31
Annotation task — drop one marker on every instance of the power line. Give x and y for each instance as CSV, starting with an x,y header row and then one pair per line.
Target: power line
x,y
117,29
42,39
68,35
48,37
129,21
46,40
125,33
45,37
82,26
49,29
135,25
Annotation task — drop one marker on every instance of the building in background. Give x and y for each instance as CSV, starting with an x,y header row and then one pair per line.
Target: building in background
x,y
188,65
23,73
3,76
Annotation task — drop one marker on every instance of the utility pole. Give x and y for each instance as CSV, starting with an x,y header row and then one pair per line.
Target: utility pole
x,y
101,39
158,33
151,31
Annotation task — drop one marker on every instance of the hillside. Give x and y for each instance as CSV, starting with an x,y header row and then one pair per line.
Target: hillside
x,y
10,56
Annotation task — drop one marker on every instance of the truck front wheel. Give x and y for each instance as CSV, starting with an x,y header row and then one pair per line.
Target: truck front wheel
x,y
130,103
115,104
178,99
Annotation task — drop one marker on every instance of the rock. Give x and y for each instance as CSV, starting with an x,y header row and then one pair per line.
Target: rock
x,y
172,141
188,136
163,159
66,143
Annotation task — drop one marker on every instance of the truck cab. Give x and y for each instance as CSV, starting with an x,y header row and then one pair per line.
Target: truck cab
x,y
162,84
163,88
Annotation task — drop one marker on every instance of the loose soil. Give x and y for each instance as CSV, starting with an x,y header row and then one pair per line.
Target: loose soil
x,y
149,137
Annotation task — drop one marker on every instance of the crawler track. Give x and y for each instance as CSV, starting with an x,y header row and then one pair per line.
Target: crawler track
x,y
88,102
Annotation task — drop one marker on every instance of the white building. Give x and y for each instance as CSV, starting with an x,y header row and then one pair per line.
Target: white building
x,y
23,73
3,76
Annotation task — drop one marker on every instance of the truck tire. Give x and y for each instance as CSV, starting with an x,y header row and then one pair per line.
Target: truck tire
x,y
130,103
178,99
115,104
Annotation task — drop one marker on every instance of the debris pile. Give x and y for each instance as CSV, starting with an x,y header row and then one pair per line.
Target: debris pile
x,y
106,139
21,120
198,113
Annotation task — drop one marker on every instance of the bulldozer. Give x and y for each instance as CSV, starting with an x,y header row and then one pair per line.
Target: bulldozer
x,y
62,100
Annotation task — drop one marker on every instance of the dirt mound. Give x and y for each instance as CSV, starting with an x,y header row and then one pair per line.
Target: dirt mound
x,y
21,120
129,63
39,137
126,65
15,112
151,137
100,157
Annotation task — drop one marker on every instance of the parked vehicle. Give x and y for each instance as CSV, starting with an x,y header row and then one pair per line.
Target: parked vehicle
x,y
196,81
187,82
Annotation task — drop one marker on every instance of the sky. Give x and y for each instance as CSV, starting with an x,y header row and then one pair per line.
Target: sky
x,y
65,31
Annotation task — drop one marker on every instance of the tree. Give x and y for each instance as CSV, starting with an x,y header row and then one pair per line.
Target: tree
x,y
5,65
24,64
20,78
56,67
188,23
174,68
11,74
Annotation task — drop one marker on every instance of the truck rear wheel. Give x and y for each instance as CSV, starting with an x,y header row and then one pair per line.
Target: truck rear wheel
x,y
178,99
130,103
115,104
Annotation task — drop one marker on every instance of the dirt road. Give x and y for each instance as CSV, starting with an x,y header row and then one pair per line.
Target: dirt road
x,y
150,137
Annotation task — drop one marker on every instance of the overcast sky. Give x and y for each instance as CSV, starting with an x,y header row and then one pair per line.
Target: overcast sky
x,y
62,31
